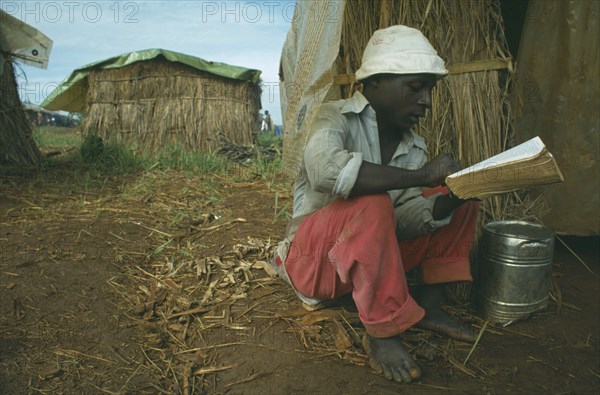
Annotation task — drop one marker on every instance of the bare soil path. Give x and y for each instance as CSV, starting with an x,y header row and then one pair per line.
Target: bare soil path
x,y
155,284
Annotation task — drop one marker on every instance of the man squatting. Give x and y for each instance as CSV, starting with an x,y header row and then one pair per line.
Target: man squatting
x,y
368,206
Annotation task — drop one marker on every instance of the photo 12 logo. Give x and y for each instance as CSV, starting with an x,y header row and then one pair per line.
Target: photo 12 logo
x,y
36,92
248,12
266,11
72,11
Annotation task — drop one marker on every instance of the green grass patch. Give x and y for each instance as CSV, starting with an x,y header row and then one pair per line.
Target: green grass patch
x,y
56,137
96,156
177,158
111,158
267,139
267,166
94,168
120,159
268,169
92,159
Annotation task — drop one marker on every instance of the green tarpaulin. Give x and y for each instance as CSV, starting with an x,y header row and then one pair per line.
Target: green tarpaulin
x,y
71,93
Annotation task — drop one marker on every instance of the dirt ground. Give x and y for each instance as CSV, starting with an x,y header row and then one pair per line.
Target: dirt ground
x,y
154,283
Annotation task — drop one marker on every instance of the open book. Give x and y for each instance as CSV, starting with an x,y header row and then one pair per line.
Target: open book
x,y
526,165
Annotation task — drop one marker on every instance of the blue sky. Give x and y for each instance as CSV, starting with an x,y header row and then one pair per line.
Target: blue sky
x,y
243,33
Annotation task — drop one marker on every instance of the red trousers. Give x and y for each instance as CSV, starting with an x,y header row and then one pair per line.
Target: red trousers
x,y
351,246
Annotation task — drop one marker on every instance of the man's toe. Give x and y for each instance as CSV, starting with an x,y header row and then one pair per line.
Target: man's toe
x,y
375,366
403,373
387,372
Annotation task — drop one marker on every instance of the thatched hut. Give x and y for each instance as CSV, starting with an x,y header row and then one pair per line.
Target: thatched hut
x,y
471,117
154,98
18,41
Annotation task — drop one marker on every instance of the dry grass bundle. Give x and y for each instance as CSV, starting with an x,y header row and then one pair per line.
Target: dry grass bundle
x,y
17,146
157,103
470,118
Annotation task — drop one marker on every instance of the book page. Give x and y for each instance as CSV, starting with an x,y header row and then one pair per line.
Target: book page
x,y
522,151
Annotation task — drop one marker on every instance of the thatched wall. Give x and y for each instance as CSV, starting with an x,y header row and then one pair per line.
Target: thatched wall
x,y
471,114
17,146
155,103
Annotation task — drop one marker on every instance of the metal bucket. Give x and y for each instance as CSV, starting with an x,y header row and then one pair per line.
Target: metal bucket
x,y
515,268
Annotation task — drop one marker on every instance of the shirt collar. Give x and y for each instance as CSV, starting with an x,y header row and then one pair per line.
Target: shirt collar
x,y
419,141
358,102
405,145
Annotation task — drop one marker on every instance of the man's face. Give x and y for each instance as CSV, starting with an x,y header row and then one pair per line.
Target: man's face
x,y
401,100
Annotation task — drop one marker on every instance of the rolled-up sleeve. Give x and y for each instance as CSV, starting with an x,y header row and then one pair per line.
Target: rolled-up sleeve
x,y
414,213
331,168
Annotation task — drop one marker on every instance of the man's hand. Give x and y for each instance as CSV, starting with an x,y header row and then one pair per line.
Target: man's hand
x,y
437,169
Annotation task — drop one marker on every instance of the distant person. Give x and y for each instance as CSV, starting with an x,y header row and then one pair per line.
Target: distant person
x,y
266,123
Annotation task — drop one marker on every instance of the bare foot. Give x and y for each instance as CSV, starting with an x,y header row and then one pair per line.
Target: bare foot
x,y
387,356
430,298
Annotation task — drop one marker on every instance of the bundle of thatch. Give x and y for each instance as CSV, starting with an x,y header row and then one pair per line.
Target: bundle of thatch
x,y
471,115
17,146
156,103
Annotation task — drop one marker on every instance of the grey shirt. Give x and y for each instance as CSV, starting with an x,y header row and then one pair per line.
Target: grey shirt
x,y
344,135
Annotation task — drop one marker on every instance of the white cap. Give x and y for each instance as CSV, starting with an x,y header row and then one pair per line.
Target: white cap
x,y
400,50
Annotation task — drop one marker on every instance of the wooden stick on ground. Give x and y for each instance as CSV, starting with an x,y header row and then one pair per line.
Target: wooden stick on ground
x,y
476,341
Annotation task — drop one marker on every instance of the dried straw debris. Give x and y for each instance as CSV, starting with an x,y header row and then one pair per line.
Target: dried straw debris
x,y
244,154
